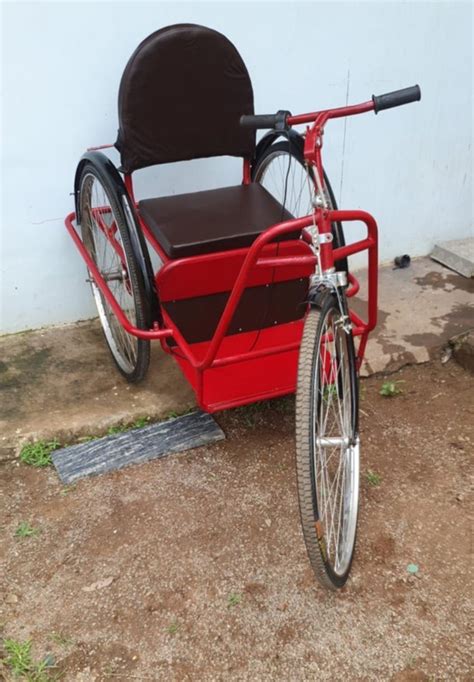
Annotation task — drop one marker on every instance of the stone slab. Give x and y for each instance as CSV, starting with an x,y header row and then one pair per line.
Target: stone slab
x,y
136,446
458,255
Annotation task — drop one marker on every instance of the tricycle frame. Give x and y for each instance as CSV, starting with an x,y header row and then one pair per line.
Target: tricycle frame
x,y
323,256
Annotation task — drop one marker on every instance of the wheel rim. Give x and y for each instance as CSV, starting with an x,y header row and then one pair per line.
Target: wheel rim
x,y
109,255
335,447
272,175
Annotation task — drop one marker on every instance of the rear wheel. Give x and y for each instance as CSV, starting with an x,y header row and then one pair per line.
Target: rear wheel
x,y
274,170
106,236
327,441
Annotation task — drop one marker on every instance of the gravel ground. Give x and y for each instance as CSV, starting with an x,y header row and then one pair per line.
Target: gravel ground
x,y
194,568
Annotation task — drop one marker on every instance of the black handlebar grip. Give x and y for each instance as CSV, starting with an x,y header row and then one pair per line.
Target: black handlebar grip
x,y
264,121
397,98
258,121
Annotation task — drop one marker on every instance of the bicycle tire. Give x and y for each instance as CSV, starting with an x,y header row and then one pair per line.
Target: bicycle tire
x,y
313,429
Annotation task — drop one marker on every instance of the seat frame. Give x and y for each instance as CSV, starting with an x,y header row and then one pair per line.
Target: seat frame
x,y
233,368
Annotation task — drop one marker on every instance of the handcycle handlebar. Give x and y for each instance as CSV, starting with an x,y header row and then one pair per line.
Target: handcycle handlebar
x,y
396,98
283,119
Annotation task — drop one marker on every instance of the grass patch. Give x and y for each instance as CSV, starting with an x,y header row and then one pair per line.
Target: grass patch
x,y
25,530
390,389
233,600
373,478
19,662
38,454
121,428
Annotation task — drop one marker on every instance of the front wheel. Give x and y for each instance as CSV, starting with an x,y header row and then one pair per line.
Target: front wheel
x,y
327,441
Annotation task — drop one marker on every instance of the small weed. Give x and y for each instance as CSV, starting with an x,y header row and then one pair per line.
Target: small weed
x,y
67,489
18,658
373,478
20,662
233,600
390,388
25,530
140,422
173,414
122,428
329,391
119,428
87,439
172,628
38,454
61,639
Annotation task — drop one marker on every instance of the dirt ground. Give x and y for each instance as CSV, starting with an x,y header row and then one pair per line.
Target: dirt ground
x,y
193,567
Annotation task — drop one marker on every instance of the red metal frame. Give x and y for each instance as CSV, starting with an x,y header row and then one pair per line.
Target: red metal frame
x,y
267,360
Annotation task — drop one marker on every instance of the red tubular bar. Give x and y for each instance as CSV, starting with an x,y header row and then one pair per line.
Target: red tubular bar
x,y
354,289
111,300
371,244
331,113
286,260
249,262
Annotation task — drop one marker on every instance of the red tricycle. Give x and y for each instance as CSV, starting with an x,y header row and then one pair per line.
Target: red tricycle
x,y
251,287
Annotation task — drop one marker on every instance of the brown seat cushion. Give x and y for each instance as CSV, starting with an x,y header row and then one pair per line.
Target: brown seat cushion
x,y
214,220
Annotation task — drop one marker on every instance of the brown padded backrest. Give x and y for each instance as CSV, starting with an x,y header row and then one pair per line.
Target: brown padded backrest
x,y
181,97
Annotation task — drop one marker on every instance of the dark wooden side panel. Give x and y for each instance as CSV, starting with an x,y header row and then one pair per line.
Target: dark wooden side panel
x,y
260,307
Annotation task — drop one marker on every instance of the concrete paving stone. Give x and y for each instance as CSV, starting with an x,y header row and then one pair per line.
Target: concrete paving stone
x,y
457,254
419,309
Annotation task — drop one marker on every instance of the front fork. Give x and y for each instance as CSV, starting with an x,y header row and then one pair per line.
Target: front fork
x,y
328,278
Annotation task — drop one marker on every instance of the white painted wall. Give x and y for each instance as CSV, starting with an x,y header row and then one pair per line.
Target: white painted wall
x,y
62,63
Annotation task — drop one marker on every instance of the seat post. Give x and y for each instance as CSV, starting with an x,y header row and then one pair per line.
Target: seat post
x,y
246,180
129,187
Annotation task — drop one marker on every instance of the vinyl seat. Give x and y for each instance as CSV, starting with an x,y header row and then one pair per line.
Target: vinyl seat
x,y
214,220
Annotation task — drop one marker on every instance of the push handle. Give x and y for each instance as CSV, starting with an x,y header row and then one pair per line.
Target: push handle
x,y
264,121
396,98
